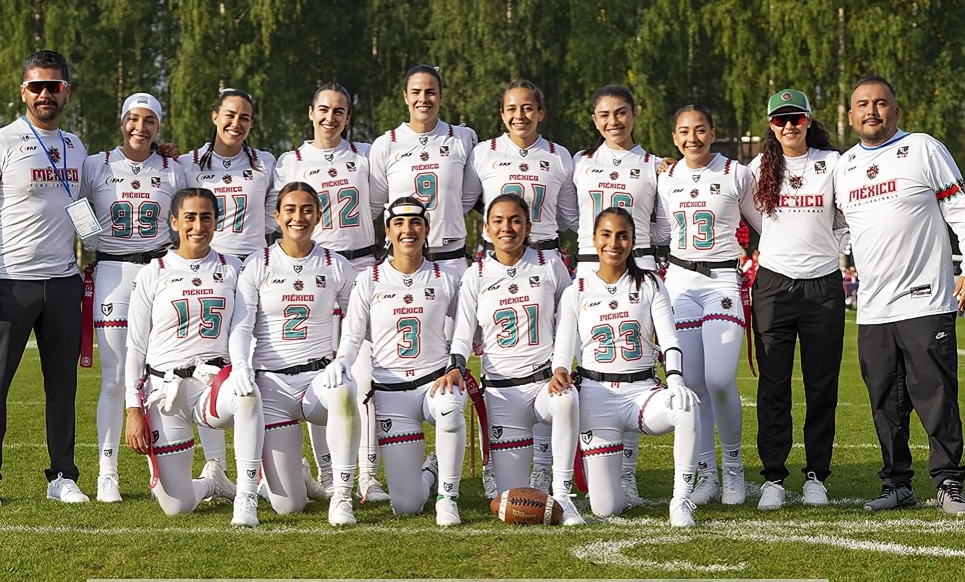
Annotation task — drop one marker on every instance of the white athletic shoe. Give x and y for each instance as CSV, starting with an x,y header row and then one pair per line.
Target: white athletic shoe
x,y
223,487
340,509
447,512
734,492
246,510
815,493
370,490
540,478
109,488
65,490
707,488
772,495
682,512
570,514
489,482
315,489
628,482
325,479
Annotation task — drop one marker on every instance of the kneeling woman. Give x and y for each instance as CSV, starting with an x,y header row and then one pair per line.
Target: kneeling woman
x,y
613,314
290,298
402,304
177,343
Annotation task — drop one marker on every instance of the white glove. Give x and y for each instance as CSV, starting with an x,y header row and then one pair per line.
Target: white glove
x,y
679,396
242,378
166,393
333,374
204,373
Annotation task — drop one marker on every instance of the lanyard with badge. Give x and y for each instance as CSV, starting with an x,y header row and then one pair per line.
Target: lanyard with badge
x,y
79,211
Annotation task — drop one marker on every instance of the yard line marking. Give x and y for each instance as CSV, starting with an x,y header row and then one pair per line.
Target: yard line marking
x,y
610,552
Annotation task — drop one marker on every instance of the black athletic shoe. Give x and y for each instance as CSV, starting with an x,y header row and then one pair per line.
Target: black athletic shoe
x,y
893,497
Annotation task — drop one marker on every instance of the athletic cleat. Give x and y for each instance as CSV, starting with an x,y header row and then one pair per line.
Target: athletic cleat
x,y
431,465
734,492
325,478
628,482
65,490
540,478
950,498
570,514
246,510
315,489
370,490
340,509
109,488
707,488
489,482
815,493
223,487
447,512
772,495
682,512
892,497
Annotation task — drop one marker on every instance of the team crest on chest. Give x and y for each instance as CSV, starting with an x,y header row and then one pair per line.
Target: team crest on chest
x,y
544,165
196,281
54,155
136,184
523,153
903,152
226,164
634,298
820,167
611,289
407,281
195,267
694,193
107,308
430,294
227,178
795,182
726,303
298,285
511,271
444,151
695,177
635,173
524,167
715,189
513,289
320,281
534,281
155,182
350,166
219,277
424,140
407,299
329,157
424,156
248,175
136,169
617,162
298,268
332,172
614,304
872,172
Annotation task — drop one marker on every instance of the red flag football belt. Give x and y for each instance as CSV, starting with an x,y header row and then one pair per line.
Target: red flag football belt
x,y
87,319
479,405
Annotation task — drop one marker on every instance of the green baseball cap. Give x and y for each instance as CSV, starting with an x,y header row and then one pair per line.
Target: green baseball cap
x,y
788,98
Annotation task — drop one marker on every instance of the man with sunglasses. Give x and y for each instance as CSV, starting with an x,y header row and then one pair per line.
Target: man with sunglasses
x,y
897,191
40,288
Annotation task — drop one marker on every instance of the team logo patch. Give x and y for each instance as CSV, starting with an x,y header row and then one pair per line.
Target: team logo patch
x,y
385,425
444,151
611,289
248,175
523,153
726,303
320,281
108,452
872,172
524,167
136,184
424,156
820,167
617,162
587,436
543,447
497,431
195,267
544,166
513,289
614,175
350,166
54,155
252,473
24,138
407,281
447,486
786,96
70,144
226,164
298,285
628,453
298,268
634,298
136,169
715,189
903,152
219,277
732,454
511,271
155,182
795,182
430,294
695,177
107,308
332,172
635,174
407,299
227,178
694,193
372,458
329,157
688,477
327,458
614,304
155,435
411,373
345,477
423,140
534,281
196,281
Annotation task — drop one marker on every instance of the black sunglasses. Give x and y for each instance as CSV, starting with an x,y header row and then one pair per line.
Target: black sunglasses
x,y
38,87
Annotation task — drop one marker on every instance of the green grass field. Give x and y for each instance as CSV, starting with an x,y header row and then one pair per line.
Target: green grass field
x,y
48,540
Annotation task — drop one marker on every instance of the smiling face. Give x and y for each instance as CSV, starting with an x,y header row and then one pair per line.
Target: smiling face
x,y
140,128
330,115
44,105
693,136
790,127
507,226
613,239
874,113
522,113
233,121
614,119
407,234
423,96
195,224
298,217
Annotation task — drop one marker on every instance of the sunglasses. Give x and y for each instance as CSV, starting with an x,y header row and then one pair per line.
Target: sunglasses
x,y
37,87
794,118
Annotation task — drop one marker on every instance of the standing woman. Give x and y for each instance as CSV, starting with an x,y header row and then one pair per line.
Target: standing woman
x,y
512,294
130,188
616,171
402,304
338,169
290,298
177,346
706,196
612,316
240,178
797,294
426,157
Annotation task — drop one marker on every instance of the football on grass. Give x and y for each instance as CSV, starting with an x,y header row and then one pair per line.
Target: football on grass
x,y
527,506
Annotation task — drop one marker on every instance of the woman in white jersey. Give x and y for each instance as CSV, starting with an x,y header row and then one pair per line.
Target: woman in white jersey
x,y
338,169
402,304
177,347
425,158
130,188
797,294
704,198
617,172
291,298
512,294
612,315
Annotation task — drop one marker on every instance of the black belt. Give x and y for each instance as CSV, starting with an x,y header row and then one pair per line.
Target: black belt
x,y
543,374
187,371
703,267
358,253
641,252
411,385
312,366
136,258
459,253
608,377
540,245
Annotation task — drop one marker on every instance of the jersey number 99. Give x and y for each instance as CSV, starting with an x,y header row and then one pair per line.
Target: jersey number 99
x,y
123,218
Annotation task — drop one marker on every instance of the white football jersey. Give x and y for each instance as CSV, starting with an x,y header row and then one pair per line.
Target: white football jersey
x,y
132,200
609,177
798,240
244,196
704,208
428,166
896,198
180,310
405,317
614,324
37,237
341,177
516,309
289,306
541,174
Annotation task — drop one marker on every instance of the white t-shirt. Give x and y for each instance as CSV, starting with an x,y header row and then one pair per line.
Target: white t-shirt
x,y
36,236
341,177
896,198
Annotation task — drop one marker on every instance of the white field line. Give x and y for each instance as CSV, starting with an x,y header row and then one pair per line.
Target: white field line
x,y
610,552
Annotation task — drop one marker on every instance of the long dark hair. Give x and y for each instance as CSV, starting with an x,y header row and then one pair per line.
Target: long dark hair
x,y
178,201
514,199
618,91
636,273
334,86
205,161
768,192
297,187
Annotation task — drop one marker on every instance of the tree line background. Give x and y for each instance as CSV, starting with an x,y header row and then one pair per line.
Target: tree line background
x,y
727,54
